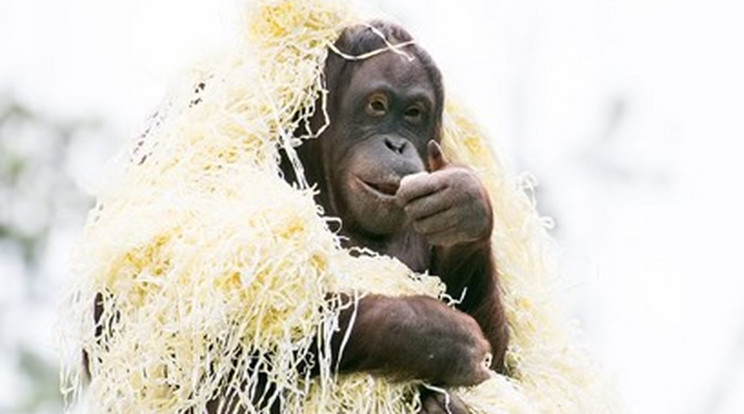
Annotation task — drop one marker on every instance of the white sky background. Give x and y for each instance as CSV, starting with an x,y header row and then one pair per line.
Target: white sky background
x,y
630,113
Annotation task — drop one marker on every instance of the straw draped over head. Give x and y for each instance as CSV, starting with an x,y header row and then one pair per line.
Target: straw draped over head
x,y
212,268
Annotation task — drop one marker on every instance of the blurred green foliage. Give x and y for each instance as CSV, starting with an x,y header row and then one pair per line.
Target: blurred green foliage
x,y
35,181
39,157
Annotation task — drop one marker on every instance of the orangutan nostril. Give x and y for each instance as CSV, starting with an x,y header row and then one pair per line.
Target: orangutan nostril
x,y
395,146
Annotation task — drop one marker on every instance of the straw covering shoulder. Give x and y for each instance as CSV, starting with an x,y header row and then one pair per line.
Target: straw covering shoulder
x,y
210,268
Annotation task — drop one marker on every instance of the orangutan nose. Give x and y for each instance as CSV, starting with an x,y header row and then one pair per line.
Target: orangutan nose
x,y
395,144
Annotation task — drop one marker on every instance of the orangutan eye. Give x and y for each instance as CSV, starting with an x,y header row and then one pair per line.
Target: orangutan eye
x,y
377,105
414,114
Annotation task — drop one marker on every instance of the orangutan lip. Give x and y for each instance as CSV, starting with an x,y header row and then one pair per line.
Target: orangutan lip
x,y
387,189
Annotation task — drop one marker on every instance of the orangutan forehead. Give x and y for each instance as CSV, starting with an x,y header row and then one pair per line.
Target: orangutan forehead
x,y
396,70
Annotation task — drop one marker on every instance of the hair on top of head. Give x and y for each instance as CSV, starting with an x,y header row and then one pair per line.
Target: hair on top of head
x,y
364,38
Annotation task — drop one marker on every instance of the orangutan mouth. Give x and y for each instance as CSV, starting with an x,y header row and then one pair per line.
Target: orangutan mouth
x,y
386,188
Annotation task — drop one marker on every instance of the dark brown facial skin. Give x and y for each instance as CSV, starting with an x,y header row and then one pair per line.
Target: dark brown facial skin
x,y
380,138
378,166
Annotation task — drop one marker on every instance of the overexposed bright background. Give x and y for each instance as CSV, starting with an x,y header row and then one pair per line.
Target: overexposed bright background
x,y
629,112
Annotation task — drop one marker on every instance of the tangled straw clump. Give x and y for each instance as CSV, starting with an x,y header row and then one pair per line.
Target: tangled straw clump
x,y
208,268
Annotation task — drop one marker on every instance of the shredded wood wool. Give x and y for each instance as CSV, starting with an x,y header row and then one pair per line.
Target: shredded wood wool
x,y
210,269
